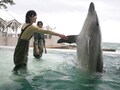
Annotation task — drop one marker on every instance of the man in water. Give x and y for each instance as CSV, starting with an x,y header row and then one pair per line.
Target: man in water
x,y
39,42
20,57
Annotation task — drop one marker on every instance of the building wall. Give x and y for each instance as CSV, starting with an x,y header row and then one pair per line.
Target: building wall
x,y
8,41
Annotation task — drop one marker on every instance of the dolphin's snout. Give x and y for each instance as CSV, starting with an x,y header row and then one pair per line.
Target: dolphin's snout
x,y
91,8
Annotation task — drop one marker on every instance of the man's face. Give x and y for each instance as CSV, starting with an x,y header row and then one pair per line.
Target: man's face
x,y
40,25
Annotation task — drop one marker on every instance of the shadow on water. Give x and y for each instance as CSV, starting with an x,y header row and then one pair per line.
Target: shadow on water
x,y
64,80
57,70
16,82
62,76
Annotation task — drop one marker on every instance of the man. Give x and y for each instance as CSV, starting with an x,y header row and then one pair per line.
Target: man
x,y
39,42
20,56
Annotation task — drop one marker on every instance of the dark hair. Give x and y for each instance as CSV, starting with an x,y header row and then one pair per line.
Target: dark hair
x,y
39,22
30,13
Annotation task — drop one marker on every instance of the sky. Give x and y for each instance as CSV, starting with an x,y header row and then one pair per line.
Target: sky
x,y
67,16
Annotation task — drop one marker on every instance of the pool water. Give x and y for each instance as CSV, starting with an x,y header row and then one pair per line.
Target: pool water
x,y
57,70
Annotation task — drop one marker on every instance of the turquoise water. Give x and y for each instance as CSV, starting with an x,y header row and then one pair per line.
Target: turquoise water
x,y
57,70
111,46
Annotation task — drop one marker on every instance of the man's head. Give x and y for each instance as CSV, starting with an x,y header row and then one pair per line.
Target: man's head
x,y
40,24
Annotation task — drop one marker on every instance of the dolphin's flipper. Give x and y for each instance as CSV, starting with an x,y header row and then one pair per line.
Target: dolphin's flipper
x,y
88,45
71,39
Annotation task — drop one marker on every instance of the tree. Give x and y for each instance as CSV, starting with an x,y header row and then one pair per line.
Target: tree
x,y
3,3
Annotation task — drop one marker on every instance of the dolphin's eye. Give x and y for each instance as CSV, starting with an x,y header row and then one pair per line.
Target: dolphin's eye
x,y
97,24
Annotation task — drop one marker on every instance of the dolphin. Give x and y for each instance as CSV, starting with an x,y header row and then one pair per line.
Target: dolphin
x,y
89,52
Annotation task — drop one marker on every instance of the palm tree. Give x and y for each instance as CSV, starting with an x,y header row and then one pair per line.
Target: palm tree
x,y
3,3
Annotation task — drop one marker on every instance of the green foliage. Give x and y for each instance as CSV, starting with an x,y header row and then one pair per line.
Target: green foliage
x,y
3,3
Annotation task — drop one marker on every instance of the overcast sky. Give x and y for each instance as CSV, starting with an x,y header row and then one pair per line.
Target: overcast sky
x,y
68,15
